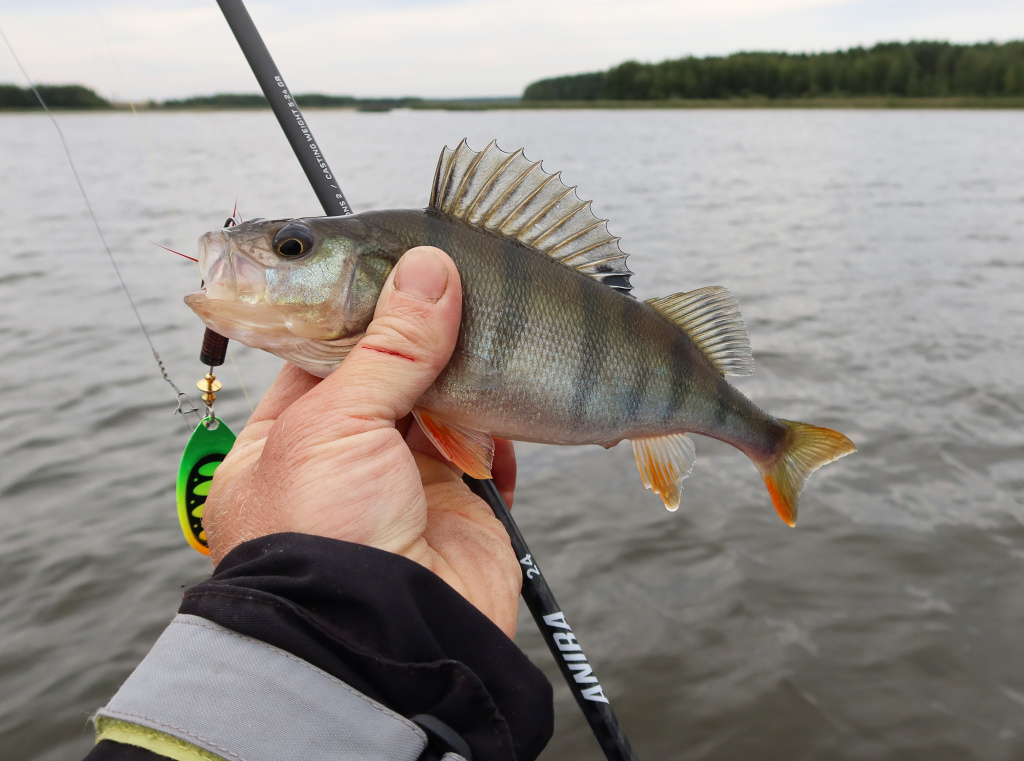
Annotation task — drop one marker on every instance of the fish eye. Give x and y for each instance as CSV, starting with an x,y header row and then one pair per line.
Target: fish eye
x,y
293,240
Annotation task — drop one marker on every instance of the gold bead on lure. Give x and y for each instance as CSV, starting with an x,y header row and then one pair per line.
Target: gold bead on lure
x,y
209,385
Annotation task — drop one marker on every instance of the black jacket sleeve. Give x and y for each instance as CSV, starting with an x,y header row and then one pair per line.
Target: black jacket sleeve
x,y
387,627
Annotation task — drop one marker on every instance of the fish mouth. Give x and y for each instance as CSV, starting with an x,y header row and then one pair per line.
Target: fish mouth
x,y
240,320
228,275
233,300
262,327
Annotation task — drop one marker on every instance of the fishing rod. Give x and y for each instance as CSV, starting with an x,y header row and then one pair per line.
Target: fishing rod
x,y
551,621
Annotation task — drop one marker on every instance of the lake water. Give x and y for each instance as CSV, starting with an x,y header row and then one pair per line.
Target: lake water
x,y
878,258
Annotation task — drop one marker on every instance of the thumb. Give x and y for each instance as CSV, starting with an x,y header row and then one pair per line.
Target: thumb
x,y
406,346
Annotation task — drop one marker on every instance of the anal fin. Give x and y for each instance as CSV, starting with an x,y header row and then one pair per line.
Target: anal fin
x,y
664,461
471,450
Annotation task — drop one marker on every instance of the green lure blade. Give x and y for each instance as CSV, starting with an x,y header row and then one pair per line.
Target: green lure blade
x,y
209,444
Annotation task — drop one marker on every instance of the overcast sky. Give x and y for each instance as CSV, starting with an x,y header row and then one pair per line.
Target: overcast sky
x,y
446,48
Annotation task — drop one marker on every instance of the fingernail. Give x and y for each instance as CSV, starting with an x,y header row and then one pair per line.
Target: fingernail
x,y
422,275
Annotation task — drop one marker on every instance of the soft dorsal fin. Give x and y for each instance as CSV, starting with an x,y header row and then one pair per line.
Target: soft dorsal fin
x,y
711,318
507,194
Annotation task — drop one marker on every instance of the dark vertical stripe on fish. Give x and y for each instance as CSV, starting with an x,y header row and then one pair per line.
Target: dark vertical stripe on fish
x,y
679,381
592,334
641,373
679,392
722,405
661,369
442,236
439,235
513,305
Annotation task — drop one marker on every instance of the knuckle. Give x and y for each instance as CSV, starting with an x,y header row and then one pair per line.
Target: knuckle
x,y
403,335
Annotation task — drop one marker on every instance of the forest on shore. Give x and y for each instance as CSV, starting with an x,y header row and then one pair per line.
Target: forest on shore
x,y
891,69
13,97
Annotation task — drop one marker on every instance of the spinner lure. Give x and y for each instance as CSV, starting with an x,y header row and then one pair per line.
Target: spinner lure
x,y
206,449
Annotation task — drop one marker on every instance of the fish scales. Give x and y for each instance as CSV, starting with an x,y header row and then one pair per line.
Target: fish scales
x,y
549,332
551,348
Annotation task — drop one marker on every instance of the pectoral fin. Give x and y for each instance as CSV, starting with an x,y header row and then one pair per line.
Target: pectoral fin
x,y
664,461
470,450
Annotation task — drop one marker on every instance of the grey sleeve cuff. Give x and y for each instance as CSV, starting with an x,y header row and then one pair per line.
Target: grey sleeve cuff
x,y
245,700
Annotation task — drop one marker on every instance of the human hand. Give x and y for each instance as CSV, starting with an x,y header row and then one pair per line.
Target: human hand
x,y
339,457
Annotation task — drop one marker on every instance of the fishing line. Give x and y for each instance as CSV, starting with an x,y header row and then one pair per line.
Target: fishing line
x,y
181,396
164,185
241,385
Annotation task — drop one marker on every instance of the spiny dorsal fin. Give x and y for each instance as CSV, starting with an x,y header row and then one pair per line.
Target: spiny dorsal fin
x,y
711,318
507,194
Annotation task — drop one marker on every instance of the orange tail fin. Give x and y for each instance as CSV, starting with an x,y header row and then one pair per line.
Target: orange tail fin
x,y
806,449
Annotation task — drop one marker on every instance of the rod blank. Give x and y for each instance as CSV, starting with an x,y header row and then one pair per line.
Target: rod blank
x,y
307,151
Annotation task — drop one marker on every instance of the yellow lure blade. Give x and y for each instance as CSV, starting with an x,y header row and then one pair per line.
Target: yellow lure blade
x,y
209,444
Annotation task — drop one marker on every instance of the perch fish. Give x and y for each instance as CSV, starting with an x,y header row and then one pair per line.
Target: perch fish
x,y
552,348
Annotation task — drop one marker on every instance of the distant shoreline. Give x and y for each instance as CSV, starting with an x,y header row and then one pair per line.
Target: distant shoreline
x,y
866,102
822,102
70,97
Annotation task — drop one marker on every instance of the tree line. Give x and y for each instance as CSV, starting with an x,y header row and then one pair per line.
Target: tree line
x,y
56,96
913,69
13,97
